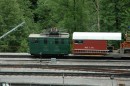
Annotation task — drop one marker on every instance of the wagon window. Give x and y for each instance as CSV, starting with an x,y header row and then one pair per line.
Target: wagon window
x,y
78,41
62,41
56,41
45,41
34,40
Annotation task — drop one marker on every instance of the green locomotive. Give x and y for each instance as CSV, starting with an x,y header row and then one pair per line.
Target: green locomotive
x,y
51,43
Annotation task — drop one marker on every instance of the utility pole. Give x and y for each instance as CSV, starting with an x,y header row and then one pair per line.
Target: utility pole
x,y
112,77
63,79
21,24
116,14
74,8
98,15
97,7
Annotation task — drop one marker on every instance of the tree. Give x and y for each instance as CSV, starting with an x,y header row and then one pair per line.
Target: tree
x,y
44,15
10,15
27,9
114,15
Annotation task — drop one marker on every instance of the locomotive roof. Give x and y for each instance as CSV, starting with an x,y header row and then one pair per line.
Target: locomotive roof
x,y
97,36
62,35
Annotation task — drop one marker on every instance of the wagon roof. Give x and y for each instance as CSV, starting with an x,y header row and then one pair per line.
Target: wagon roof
x,y
62,35
96,36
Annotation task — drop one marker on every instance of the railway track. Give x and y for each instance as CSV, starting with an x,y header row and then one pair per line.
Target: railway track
x,y
74,62
67,74
71,56
61,59
28,57
69,67
63,62
15,55
74,67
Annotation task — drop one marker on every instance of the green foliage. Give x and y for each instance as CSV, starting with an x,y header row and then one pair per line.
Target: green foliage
x,y
68,15
114,15
10,16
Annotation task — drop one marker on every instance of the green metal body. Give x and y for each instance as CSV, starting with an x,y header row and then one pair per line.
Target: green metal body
x,y
49,45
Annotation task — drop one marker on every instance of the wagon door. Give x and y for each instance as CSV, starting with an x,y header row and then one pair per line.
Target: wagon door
x,y
55,49
34,44
45,46
51,46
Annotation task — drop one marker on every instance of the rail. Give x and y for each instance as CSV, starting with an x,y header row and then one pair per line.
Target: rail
x,y
67,74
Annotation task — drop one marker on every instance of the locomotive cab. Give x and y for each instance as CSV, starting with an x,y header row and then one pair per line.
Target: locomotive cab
x,y
51,43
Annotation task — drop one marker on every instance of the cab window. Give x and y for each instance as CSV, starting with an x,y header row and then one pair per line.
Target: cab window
x,y
34,40
56,41
78,41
